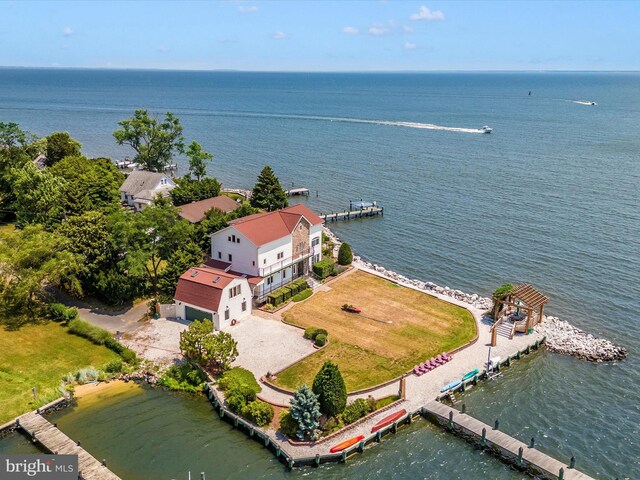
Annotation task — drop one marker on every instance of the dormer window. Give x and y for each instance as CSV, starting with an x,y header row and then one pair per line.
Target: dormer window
x,y
163,181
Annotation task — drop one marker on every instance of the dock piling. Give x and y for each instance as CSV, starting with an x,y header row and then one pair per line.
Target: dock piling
x,y
520,451
496,425
533,442
572,462
483,440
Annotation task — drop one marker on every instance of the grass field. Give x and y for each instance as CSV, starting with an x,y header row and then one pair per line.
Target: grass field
x,y
39,356
398,328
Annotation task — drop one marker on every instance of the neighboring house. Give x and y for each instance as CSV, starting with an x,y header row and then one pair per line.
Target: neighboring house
x,y
195,211
275,248
223,297
40,161
141,187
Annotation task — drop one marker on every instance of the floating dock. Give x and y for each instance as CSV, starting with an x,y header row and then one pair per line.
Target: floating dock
x,y
53,440
356,210
294,192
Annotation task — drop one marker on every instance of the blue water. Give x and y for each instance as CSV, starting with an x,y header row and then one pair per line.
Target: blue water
x,y
551,197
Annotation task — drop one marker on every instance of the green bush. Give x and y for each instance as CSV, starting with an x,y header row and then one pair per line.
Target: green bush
x,y
239,377
114,366
321,339
286,293
184,378
97,335
60,312
112,344
323,268
303,295
236,402
312,332
258,412
331,390
288,425
358,409
275,298
129,356
345,255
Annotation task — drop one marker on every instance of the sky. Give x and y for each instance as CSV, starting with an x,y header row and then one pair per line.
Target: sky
x,y
322,35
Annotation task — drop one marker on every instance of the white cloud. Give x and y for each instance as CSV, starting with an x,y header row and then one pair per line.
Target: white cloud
x,y
278,35
350,30
67,31
407,29
424,13
409,45
378,30
248,8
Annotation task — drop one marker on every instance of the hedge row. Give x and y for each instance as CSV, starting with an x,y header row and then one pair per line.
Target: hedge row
x,y
285,293
324,268
100,336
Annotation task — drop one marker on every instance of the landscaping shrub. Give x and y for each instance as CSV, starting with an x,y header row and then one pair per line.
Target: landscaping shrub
x,y
323,268
60,312
97,335
235,402
303,295
85,375
239,377
184,378
128,355
286,293
321,339
312,332
305,411
345,255
331,390
114,366
358,409
333,424
288,426
258,412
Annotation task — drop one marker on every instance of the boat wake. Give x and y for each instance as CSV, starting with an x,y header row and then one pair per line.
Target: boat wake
x,y
580,102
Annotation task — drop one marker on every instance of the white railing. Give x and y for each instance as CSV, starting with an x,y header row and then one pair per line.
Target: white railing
x,y
284,263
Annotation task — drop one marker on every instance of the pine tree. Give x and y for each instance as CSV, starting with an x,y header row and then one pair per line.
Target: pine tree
x,y
267,193
331,389
305,410
345,255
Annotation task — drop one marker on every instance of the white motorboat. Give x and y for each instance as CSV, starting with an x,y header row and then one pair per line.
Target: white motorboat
x,y
486,129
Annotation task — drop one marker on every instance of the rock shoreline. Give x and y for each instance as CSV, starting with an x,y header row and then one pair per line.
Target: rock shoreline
x,y
561,336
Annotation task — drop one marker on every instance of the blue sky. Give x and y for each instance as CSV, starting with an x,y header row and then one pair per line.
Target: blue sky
x,y
322,36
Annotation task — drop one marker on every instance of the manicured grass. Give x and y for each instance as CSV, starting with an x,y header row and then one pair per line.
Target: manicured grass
x,y
383,402
368,349
39,356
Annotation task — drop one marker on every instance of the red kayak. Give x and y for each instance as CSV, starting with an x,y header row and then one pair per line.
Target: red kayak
x,y
347,444
386,421
351,308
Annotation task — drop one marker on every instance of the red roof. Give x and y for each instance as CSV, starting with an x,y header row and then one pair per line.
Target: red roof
x,y
202,287
195,211
262,228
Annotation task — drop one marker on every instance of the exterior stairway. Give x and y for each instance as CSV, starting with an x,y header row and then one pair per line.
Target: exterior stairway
x,y
505,329
313,283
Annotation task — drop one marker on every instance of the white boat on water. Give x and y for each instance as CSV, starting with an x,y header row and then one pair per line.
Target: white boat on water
x,y
486,129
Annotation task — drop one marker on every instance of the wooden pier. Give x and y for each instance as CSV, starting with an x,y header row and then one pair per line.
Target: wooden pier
x,y
350,214
522,456
294,192
46,434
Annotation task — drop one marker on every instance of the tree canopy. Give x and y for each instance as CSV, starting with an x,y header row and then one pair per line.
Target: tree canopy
x,y
200,344
267,193
305,410
345,255
331,390
197,160
59,146
155,141
188,190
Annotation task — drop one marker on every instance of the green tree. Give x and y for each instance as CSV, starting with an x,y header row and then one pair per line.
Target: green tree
x,y
188,190
186,256
331,390
223,351
60,145
267,193
305,410
38,196
30,260
12,136
91,184
345,255
200,344
154,141
197,160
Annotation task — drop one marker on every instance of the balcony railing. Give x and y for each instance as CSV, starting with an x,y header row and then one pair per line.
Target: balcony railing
x,y
284,263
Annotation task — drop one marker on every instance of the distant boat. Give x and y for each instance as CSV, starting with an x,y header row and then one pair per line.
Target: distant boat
x,y
486,129
594,103
470,375
450,386
529,92
346,444
388,420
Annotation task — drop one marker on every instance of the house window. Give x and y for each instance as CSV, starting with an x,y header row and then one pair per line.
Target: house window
x,y
226,314
270,280
253,263
220,255
235,291
230,257
264,261
238,240
300,228
233,238
284,274
244,305
293,269
228,239
315,242
163,181
280,255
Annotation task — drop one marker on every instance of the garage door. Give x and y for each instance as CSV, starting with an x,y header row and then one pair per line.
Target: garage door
x,y
195,314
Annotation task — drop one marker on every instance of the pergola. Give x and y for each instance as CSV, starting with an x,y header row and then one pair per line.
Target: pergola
x,y
522,297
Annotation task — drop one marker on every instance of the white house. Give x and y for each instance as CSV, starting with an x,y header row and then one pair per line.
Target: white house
x,y
273,248
211,293
141,187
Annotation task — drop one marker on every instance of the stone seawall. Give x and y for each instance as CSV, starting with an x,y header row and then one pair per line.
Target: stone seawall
x,y
561,336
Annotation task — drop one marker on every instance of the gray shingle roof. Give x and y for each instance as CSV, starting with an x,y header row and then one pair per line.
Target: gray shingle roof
x,y
140,180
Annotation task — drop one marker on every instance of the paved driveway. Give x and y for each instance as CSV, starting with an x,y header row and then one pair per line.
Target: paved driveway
x,y
266,345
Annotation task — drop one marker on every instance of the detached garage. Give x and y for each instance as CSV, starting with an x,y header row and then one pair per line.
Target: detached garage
x,y
211,293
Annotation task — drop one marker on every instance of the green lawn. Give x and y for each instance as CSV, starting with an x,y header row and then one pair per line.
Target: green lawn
x,y
398,328
39,356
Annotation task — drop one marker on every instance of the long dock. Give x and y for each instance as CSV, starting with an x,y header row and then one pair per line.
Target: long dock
x,y
46,434
510,450
349,214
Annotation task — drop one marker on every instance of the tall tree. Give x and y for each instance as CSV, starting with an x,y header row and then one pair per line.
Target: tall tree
x,y
331,389
154,141
60,145
305,410
205,347
39,196
186,256
30,259
188,190
197,160
11,135
267,193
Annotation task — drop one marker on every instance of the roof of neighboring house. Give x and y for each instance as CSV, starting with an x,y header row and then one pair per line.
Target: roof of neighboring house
x,y
219,264
202,287
262,228
140,180
195,211
149,195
